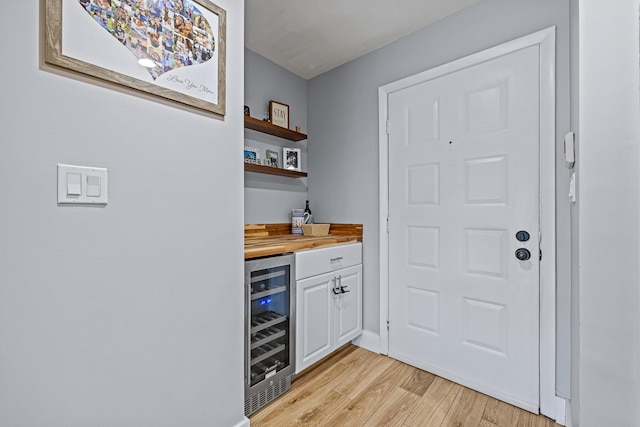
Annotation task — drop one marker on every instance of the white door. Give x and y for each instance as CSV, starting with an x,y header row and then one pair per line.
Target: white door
x,y
463,181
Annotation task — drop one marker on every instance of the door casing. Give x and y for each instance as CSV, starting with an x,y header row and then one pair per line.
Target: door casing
x,y
550,405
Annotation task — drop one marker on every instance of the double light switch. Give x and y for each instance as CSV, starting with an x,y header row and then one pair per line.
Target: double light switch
x,y
82,185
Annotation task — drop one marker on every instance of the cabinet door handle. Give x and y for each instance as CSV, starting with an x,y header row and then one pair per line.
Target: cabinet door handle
x,y
336,259
335,286
342,288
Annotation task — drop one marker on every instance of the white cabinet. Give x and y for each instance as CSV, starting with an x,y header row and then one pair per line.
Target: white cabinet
x,y
328,301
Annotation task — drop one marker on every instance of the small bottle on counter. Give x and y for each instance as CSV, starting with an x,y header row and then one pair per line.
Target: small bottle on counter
x,y
308,217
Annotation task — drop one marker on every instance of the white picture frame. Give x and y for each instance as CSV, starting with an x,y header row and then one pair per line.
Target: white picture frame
x,y
251,155
291,159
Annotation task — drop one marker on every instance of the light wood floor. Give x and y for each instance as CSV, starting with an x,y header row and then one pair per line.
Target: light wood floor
x,y
355,387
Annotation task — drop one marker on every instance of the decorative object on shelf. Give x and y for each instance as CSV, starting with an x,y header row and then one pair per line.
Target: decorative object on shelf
x,y
271,158
247,110
297,219
279,114
291,158
251,155
134,47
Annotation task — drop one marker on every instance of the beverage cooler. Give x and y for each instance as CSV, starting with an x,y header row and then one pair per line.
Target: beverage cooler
x,y
269,330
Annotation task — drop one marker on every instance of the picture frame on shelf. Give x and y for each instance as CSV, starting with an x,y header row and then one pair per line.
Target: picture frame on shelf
x,y
271,159
291,158
251,155
279,114
136,48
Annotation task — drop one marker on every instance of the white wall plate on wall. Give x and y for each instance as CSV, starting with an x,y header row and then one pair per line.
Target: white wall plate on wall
x,y
82,185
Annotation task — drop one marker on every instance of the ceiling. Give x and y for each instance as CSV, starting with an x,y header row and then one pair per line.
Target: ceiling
x,y
310,37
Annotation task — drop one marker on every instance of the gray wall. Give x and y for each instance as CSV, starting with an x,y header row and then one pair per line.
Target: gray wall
x,y
608,324
270,198
343,121
131,314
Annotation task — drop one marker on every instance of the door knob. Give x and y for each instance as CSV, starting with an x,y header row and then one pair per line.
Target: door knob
x,y
523,254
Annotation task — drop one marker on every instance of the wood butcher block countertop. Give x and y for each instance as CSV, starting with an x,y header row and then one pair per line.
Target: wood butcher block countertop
x,y
274,239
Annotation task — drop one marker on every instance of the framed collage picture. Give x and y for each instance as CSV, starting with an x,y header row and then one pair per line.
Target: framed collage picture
x,y
172,49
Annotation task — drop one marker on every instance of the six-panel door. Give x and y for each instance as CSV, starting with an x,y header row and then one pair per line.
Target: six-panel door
x,y
463,182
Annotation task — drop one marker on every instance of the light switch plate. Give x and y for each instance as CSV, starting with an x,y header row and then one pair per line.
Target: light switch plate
x,y
93,185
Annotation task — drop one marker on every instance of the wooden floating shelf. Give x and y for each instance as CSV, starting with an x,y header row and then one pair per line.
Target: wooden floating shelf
x,y
271,129
270,170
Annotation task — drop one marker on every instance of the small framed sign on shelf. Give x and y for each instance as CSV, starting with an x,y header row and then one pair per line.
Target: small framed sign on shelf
x,y
279,114
291,158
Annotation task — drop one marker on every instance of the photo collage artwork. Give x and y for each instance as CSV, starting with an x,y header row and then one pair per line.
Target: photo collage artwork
x,y
170,33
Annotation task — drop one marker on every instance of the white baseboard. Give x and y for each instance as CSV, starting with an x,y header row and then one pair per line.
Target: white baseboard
x,y
244,423
369,341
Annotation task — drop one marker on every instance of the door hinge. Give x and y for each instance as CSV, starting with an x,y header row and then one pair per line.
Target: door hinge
x,y
388,127
540,255
388,226
387,325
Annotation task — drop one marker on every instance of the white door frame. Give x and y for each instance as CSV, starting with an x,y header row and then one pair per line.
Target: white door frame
x,y
550,405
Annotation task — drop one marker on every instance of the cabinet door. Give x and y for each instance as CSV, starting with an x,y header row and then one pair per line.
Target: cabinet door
x,y
314,323
348,306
